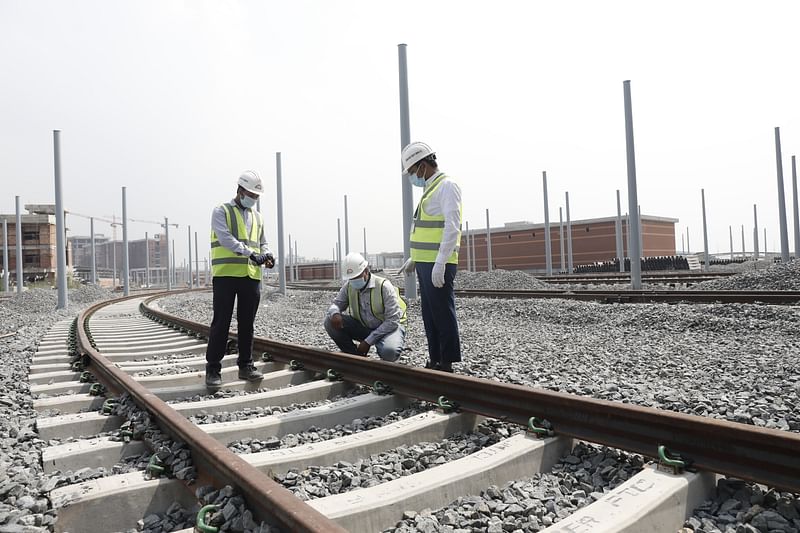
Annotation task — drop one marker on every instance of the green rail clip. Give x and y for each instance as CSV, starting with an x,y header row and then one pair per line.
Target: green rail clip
x,y
294,364
96,389
381,389
333,375
109,405
535,427
266,357
154,466
86,377
201,519
669,461
447,405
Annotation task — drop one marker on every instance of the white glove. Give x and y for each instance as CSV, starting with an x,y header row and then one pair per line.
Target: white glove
x,y
408,266
437,276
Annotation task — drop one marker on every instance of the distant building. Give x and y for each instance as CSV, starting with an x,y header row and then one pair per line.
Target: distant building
x,y
38,230
143,254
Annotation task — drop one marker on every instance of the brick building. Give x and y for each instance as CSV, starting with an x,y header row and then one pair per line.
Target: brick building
x,y
38,228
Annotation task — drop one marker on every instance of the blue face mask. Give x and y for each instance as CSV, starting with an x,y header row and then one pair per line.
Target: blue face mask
x,y
358,283
416,181
247,202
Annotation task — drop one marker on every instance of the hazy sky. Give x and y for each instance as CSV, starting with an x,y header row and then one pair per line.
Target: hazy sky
x,y
173,99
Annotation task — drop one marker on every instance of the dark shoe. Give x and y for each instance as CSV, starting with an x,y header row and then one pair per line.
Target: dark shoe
x,y
249,373
446,367
432,365
213,379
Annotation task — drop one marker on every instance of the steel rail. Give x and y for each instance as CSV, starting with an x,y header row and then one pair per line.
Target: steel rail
x,y
268,500
622,296
767,456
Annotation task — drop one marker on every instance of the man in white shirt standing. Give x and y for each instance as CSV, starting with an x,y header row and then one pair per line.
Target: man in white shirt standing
x,y
435,238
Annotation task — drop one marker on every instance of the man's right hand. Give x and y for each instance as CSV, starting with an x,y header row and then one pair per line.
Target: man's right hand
x,y
409,266
258,259
337,321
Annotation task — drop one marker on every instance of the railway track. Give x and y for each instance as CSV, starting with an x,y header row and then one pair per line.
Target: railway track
x,y
131,350
618,296
674,278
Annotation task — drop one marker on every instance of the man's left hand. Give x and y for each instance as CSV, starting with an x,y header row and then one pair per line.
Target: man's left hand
x,y
363,347
269,260
437,275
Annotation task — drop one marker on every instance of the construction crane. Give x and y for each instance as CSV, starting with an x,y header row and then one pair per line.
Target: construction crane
x,y
152,222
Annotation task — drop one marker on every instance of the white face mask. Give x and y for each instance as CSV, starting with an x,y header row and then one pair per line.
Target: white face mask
x,y
247,202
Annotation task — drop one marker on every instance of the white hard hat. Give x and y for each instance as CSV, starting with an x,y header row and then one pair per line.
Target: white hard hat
x,y
415,152
354,265
251,182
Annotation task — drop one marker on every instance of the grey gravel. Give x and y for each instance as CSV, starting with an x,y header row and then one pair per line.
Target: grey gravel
x,y
761,276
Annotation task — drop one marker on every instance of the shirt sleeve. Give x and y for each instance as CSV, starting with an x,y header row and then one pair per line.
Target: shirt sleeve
x,y
391,314
339,303
451,209
220,227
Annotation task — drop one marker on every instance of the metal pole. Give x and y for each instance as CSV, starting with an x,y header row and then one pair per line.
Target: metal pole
x,y
408,196
618,231
744,255
561,236
641,231
146,260
569,237
196,261
488,244
633,199
683,249
20,277
289,261
282,269
705,230
548,252
61,247
796,217
94,251
167,270
191,280
472,247
765,243
469,248
333,264
126,283
346,228
114,257
365,243
755,232
174,266
687,239
781,201
295,264
339,245
6,271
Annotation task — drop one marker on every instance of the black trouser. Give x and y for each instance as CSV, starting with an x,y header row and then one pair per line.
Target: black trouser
x,y
439,314
247,293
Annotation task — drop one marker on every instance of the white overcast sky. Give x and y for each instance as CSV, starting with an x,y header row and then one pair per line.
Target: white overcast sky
x,y
172,99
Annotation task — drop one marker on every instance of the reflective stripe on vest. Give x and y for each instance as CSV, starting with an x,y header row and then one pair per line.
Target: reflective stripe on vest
x,y
225,263
427,230
375,301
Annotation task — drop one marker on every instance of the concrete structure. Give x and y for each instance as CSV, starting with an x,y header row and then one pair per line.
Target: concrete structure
x,y
138,250
38,243
520,245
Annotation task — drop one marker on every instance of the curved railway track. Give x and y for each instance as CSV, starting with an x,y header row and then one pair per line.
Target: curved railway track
x,y
118,348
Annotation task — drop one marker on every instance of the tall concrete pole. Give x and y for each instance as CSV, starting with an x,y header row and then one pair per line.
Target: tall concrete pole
x,y
408,196
730,231
561,236
289,261
365,243
168,265
6,271
641,230
683,243
174,265
339,245
146,260
569,236
488,244
191,280
346,228
755,232
744,255
295,265
796,217
781,201
548,253
126,282
94,251
18,228
281,251
687,239
765,243
61,245
618,231
196,262
114,258
705,230
633,199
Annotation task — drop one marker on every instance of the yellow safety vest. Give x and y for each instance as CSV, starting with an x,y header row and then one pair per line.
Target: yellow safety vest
x,y
427,230
375,300
225,263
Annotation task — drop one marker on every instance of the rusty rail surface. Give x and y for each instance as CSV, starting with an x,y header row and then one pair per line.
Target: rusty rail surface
x,y
268,500
767,456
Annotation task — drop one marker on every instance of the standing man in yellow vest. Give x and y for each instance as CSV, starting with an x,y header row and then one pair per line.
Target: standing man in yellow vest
x,y
377,313
238,249
435,238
